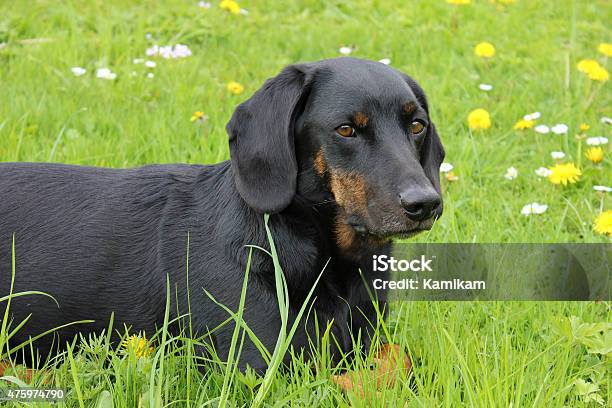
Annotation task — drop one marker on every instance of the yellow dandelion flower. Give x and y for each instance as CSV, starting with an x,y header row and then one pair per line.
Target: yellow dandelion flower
x,y
450,176
599,74
138,345
584,127
479,119
230,6
593,70
595,154
458,1
235,88
524,124
198,115
586,65
605,49
484,49
564,174
603,223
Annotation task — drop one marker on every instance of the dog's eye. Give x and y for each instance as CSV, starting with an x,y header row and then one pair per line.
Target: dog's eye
x,y
345,131
416,128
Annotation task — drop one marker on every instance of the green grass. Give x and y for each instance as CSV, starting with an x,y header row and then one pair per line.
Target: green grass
x,y
471,354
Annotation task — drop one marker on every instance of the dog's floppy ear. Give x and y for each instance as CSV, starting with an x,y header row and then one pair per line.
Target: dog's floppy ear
x,y
432,151
262,143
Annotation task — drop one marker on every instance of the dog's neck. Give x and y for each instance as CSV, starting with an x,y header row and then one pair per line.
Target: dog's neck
x,y
305,236
301,233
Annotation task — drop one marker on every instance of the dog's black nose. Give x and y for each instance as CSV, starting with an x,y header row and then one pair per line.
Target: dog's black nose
x,y
419,206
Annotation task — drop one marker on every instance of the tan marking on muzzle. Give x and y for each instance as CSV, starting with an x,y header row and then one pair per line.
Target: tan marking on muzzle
x,y
319,163
361,119
345,235
350,192
352,244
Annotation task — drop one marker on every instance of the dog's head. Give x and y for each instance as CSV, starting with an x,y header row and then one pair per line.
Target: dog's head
x,y
353,132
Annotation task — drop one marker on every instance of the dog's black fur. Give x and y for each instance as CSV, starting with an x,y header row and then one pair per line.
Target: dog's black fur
x,y
103,240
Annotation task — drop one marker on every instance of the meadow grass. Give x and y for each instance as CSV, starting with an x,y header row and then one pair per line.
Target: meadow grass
x,y
465,354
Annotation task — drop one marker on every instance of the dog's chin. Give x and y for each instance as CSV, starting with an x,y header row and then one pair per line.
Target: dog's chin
x,y
396,232
406,234
401,234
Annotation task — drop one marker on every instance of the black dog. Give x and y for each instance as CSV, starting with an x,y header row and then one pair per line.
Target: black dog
x,y
342,154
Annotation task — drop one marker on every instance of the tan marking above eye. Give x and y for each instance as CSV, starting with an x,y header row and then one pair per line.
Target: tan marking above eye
x,y
410,107
416,127
345,131
361,119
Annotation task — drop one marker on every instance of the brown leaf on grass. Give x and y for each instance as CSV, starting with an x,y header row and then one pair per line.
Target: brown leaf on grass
x,y
390,362
18,371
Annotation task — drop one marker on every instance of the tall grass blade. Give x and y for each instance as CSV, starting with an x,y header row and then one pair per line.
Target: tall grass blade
x,y
232,364
284,339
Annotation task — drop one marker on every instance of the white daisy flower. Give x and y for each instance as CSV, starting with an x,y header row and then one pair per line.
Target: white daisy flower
x,y
543,129
511,173
78,71
150,75
557,155
170,52
559,129
166,52
204,4
152,51
446,167
543,172
345,50
597,141
485,87
182,51
605,189
606,120
534,208
532,116
244,12
385,61
105,73
150,64
138,60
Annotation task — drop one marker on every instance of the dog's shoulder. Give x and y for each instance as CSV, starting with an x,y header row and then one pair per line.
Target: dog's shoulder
x,y
24,173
